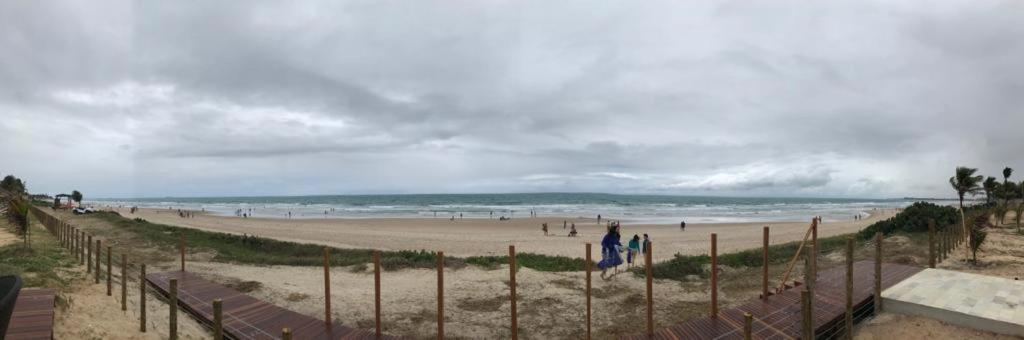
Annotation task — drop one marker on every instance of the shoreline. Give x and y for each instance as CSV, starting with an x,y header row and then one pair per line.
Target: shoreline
x,y
491,237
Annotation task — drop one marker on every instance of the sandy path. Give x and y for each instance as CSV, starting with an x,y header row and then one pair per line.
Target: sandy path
x,y
8,237
550,305
470,237
88,313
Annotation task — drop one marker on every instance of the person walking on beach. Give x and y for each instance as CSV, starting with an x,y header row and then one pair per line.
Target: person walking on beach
x,y
564,224
633,248
610,246
598,218
544,227
647,244
682,225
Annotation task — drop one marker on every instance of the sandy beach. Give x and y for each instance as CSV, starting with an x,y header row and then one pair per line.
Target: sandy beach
x,y
474,237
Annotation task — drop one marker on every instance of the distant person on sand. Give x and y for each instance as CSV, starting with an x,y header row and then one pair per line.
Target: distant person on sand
x,y
572,232
633,248
564,224
610,247
544,227
598,218
682,225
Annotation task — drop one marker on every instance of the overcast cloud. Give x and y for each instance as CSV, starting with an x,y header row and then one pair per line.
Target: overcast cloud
x,y
806,98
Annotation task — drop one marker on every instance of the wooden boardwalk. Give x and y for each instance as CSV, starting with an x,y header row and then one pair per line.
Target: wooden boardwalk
x,y
246,317
779,316
33,315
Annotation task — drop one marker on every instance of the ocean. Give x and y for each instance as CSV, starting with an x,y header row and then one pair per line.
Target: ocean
x,y
631,208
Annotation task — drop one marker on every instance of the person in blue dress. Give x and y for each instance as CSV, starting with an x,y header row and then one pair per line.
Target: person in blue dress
x,y
610,246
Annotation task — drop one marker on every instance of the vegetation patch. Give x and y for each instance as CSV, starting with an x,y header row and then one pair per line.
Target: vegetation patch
x,y
244,286
296,297
913,219
38,263
485,304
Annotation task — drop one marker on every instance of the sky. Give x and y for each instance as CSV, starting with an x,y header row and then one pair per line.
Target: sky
x,y
733,98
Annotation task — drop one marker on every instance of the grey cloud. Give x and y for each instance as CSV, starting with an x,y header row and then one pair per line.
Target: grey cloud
x,y
848,98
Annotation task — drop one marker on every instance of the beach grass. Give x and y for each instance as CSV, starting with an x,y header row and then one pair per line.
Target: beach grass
x,y
682,266
38,265
263,251
544,263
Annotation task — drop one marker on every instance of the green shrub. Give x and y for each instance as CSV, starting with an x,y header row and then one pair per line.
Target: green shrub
x,y
913,219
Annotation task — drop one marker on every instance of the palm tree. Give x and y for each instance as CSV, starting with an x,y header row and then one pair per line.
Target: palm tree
x,y
1007,171
977,235
990,187
77,197
965,182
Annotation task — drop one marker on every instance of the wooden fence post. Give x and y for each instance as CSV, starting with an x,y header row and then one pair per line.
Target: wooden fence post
x,y
748,320
945,244
849,288
512,289
99,252
218,319
124,281
944,237
814,258
588,266
174,310
81,249
805,309
88,256
807,271
376,290
931,243
440,295
109,275
142,297
714,275
648,252
764,265
327,287
181,249
878,273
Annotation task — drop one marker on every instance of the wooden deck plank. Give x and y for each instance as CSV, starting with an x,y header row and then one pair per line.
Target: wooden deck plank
x,y
246,317
779,316
33,315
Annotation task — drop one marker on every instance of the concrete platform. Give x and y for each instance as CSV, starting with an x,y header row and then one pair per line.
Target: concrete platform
x,y
970,300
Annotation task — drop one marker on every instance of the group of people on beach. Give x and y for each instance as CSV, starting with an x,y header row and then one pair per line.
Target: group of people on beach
x,y
244,213
611,248
572,230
